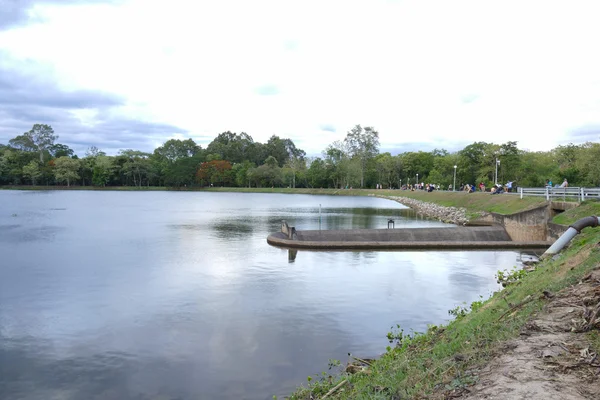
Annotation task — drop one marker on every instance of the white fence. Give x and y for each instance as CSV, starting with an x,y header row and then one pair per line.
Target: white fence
x,y
558,193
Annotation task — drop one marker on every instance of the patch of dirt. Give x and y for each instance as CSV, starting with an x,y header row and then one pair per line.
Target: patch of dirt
x,y
551,359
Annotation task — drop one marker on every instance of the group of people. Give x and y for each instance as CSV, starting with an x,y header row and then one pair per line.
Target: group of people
x,y
469,188
429,187
563,185
495,189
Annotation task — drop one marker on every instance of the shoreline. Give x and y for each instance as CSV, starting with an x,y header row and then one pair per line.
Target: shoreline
x,y
475,355
474,204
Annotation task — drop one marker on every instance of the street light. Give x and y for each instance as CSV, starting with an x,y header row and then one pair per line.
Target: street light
x,y
400,184
417,180
454,185
497,163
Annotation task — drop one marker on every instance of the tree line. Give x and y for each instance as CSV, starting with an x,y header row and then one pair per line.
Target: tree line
x,y
232,159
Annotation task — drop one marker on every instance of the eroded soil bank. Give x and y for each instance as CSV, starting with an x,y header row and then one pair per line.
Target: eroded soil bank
x,y
553,357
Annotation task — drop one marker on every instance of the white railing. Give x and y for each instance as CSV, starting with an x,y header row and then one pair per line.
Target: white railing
x,y
556,193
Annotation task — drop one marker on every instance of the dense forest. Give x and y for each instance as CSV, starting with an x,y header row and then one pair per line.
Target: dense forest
x,y
232,159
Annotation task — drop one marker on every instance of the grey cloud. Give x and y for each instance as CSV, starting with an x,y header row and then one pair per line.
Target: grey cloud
x,y
397,148
17,89
14,12
25,101
585,133
327,128
267,90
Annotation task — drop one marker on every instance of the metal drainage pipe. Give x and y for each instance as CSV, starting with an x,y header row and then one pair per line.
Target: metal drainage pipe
x,y
573,230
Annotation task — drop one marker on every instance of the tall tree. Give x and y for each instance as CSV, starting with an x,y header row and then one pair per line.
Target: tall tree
x,y
135,165
337,163
66,169
295,164
102,170
40,138
364,145
93,151
175,149
215,171
59,150
233,147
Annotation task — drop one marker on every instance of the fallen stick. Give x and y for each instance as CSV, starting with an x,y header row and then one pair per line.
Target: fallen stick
x,y
521,304
334,389
361,360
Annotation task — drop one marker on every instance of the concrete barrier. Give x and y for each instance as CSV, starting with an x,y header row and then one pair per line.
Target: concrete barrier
x,y
453,234
480,237
527,225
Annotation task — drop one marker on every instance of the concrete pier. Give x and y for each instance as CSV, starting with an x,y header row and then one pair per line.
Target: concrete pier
x,y
466,237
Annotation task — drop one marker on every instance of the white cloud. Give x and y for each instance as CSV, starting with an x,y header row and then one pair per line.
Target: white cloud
x,y
438,73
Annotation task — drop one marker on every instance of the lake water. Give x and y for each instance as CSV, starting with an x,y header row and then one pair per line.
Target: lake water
x,y
177,295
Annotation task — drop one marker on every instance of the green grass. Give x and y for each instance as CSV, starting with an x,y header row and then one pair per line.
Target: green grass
x,y
424,365
472,202
501,204
586,209
594,338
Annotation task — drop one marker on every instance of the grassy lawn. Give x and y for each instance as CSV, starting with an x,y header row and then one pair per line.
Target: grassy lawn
x,y
586,209
423,365
501,204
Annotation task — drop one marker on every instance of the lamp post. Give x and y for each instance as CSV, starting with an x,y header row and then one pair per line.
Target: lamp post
x,y
454,185
417,179
497,163
400,188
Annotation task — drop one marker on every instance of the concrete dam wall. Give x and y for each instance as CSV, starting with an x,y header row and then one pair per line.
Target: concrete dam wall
x,y
454,234
526,229
464,237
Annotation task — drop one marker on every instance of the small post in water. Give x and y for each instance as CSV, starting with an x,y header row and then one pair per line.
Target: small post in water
x,y
319,217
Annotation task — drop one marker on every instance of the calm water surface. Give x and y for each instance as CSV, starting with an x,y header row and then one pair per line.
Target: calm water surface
x,y
177,295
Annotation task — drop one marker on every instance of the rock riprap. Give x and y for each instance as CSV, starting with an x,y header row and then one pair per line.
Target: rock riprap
x,y
451,215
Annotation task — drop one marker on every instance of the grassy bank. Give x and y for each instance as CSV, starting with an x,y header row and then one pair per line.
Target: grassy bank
x,y
586,209
473,202
447,357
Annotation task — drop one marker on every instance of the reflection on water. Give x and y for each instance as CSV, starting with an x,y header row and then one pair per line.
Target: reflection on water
x,y
177,295
292,255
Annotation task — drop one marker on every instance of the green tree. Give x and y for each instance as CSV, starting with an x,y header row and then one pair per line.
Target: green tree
x,y
66,169
137,166
364,145
587,162
283,150
241,173
32,171
295,163
40,138
337,163
317,173
386,169
93,151
477,162
568,158
102,170
60,150
174,149
233,147
510,162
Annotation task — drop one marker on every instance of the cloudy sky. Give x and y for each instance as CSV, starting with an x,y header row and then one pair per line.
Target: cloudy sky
x,y
133,73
